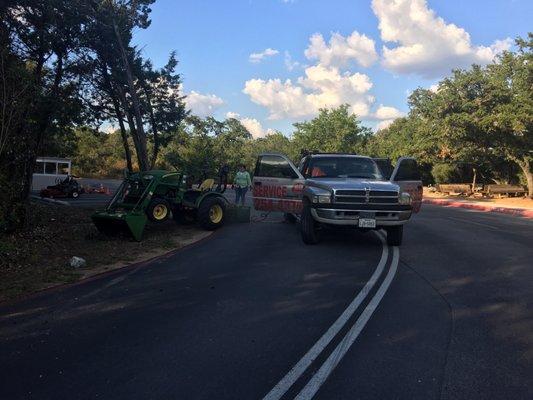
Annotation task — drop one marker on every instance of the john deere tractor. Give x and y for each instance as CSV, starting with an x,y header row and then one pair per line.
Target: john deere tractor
x,y
156,196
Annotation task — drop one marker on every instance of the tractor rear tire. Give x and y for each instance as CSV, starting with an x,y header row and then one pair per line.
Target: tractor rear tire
x,y
158,210
394,235
309,227
212,213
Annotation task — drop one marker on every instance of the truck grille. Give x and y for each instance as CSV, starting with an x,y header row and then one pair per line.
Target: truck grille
x,y
366,196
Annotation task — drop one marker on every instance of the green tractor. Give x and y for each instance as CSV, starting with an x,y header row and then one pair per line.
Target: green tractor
x,y
157,196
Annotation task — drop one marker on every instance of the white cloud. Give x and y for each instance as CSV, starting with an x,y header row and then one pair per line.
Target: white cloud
x,y
434,88
321,87
253,125
258,57
426,44
387,113
384,124
203,105
342,50
289,63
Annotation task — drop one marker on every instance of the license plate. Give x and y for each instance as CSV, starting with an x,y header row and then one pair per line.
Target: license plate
x,y
367,223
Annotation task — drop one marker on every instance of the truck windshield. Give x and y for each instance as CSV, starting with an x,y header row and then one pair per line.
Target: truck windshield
x,y
343,167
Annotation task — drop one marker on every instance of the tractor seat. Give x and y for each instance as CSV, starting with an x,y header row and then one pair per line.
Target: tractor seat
x,y
206,185
192,194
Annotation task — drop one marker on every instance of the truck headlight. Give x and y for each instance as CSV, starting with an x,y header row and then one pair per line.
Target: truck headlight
x,y
404,199
322,199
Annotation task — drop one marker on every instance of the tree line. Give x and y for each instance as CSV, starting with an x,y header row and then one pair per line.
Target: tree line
x,y
68,66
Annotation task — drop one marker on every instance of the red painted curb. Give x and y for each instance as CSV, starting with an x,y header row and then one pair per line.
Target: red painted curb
x,y
518,212
100,275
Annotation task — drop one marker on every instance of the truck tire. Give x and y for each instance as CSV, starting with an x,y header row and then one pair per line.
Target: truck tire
x,y
158,210
212,213
394,235
309,227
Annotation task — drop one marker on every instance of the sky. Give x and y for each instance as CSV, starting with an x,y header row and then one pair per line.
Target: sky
x,y
270,63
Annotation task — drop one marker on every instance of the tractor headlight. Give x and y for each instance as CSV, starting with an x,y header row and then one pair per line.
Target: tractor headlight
x,y
322,199
404,199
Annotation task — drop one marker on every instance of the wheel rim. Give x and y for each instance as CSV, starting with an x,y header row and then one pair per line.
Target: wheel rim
x,y
216,214
75,194
160,212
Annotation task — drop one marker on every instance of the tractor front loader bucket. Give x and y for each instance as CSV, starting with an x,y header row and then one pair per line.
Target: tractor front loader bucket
x,y
115,223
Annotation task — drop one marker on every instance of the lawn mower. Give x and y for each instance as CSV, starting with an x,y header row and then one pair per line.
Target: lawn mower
x,y
156,196
68,187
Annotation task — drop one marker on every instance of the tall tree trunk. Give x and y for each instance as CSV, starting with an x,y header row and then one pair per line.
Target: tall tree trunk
x,y
155,129
525,165
131,122
42,127
142,153
120,118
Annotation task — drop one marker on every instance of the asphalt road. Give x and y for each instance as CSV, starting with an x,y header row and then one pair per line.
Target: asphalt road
x,y
252,312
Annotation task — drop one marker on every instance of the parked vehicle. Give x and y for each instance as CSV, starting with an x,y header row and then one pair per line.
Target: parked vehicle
x,y
156,196
49,171
338,190
68,187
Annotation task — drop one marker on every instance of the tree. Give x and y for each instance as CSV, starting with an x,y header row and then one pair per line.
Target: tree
x,y
334,130
162,100
40,42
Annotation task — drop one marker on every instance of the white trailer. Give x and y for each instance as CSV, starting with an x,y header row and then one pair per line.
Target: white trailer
x,y
49,171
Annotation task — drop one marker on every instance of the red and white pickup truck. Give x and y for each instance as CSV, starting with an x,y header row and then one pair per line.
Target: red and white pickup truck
x,y
339,189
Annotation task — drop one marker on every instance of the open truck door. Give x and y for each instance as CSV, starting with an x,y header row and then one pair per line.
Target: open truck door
x,y
277,184
407,175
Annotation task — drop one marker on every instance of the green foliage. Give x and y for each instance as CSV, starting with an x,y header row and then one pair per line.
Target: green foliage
x,y
98,154
445,173
482,116
334,130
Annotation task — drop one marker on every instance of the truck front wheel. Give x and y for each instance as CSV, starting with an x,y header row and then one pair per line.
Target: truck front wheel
x,y
309,227
394,235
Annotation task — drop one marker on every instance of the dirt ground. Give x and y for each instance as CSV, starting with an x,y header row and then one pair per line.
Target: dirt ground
x,y
517,202
39,257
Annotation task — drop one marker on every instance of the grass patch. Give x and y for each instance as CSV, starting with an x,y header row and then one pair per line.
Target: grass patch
x,y
39,256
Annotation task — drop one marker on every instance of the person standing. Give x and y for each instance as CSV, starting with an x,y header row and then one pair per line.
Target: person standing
x,y
242,182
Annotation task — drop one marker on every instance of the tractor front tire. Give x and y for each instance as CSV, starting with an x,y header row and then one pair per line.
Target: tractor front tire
x,y
158,210
212,213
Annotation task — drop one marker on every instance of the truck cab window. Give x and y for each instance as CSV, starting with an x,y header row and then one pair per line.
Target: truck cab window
x,y
274,167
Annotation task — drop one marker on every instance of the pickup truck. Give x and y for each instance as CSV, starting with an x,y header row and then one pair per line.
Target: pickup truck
x,y
339,190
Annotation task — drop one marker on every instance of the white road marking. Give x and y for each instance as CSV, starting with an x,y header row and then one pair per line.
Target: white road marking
x,y
294,374
312,387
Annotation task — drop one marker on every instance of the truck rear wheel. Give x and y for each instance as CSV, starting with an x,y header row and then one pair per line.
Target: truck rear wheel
x,y
212,213
394,235
309,227
158,210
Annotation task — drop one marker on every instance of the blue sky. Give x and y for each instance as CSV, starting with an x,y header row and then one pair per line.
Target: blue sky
x,y
423,40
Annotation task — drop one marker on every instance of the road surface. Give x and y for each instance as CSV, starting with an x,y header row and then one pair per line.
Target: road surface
x,y
253,313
